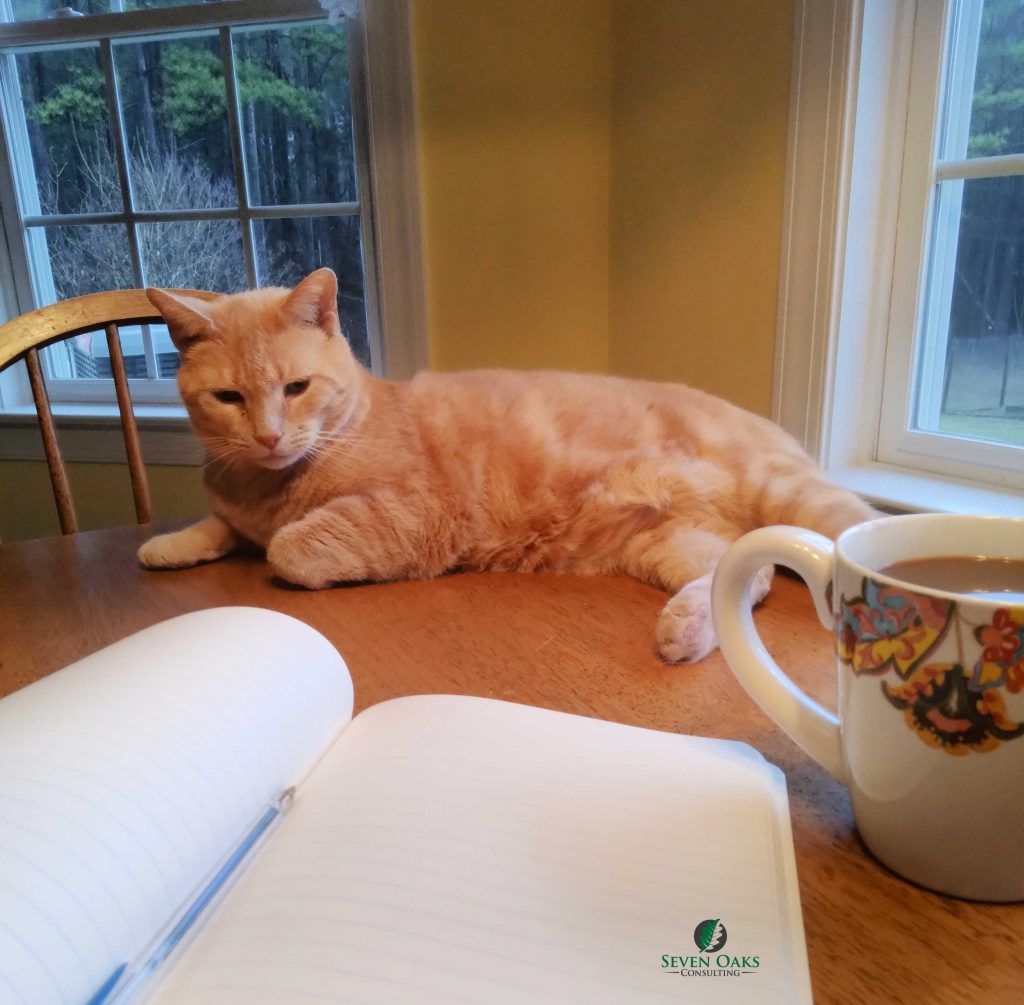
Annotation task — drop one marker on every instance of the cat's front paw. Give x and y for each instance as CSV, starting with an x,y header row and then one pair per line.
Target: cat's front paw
x,y
293,558
172,551
205,541
685,632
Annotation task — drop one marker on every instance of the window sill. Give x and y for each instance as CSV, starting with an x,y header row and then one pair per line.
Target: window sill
x,y
92,434
900,489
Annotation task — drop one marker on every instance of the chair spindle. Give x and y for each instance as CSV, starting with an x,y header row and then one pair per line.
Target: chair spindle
x,y
136,466
54,458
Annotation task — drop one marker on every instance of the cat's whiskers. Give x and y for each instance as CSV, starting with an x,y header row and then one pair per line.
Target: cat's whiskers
x,y
227,451
341,444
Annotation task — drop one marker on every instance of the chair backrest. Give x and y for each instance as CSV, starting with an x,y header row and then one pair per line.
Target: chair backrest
x,y
24,336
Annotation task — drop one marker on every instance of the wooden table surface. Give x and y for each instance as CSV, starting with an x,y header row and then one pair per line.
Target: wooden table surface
x,y
577,644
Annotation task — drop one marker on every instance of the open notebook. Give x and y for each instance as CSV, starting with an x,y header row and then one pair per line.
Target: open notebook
x,y
437,849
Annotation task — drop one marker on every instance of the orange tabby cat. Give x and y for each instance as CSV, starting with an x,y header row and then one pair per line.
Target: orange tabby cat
x,y
342,476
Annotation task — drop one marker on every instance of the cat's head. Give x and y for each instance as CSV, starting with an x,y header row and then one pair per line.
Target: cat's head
x,y
266,375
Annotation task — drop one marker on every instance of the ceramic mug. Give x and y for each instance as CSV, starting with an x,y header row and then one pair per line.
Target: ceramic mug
x,y
929,738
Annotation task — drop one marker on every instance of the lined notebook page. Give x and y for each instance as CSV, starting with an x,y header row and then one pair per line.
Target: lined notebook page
x,y
468,850
126,777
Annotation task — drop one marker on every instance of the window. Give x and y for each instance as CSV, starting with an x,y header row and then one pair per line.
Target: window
x,y
901,343
213,146
953,398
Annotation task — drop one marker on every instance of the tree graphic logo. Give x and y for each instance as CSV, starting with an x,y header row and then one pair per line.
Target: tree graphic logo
x,y
710,935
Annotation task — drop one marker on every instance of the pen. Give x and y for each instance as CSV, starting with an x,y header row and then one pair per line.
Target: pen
x,y
127,978
108,985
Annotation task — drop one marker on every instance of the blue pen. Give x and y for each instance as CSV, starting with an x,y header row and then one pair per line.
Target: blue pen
x,y
108,985
127,979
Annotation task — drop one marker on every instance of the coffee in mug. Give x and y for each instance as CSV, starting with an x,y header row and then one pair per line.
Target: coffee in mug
x,y
978,575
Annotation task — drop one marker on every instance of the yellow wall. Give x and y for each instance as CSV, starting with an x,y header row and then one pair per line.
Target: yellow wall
x,y
603,184
512,106
102,494
699,110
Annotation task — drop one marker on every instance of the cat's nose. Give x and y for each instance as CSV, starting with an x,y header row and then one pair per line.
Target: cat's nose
x,y
269,440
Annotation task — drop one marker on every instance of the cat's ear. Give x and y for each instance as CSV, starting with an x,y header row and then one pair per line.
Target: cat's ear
x,y
314,302
188,318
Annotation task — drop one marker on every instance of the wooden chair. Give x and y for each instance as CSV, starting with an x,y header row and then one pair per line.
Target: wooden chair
x,y
24,336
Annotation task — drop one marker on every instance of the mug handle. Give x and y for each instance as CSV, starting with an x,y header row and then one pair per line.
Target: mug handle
x,y
811,556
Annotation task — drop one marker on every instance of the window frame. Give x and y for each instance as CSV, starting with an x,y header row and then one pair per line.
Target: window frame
x,y
849,252
915,365
385,126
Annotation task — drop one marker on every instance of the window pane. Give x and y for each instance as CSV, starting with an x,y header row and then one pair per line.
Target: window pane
x,y
88,259
156,4
288,250
86,356
296,115
997,109
85,259
167,358
975,387
176,123
67,130
193,254
34,10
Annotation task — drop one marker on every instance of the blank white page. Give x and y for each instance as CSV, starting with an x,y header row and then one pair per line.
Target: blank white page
x,y
125,778
468,850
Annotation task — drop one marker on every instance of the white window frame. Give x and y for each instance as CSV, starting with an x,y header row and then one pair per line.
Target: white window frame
x,y
383,110
859,184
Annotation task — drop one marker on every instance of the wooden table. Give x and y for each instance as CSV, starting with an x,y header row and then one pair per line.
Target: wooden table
x,y
578,644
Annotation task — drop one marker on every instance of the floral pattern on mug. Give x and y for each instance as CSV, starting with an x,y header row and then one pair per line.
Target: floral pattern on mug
x,y
956,706
888,627
946,710
1002,655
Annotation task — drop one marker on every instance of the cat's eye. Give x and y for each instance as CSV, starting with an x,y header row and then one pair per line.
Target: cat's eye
x,y
296,387
229,397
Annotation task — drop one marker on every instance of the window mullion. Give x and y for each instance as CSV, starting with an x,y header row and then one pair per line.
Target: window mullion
x,y
117,134
1000,166
178,215
227,51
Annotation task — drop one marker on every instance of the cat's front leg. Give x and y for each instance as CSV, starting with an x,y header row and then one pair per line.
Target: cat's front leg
x,y
209,539
352,539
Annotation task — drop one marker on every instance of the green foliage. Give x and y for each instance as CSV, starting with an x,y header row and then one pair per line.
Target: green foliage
x,y
997,109
80,101
257,84
193,88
